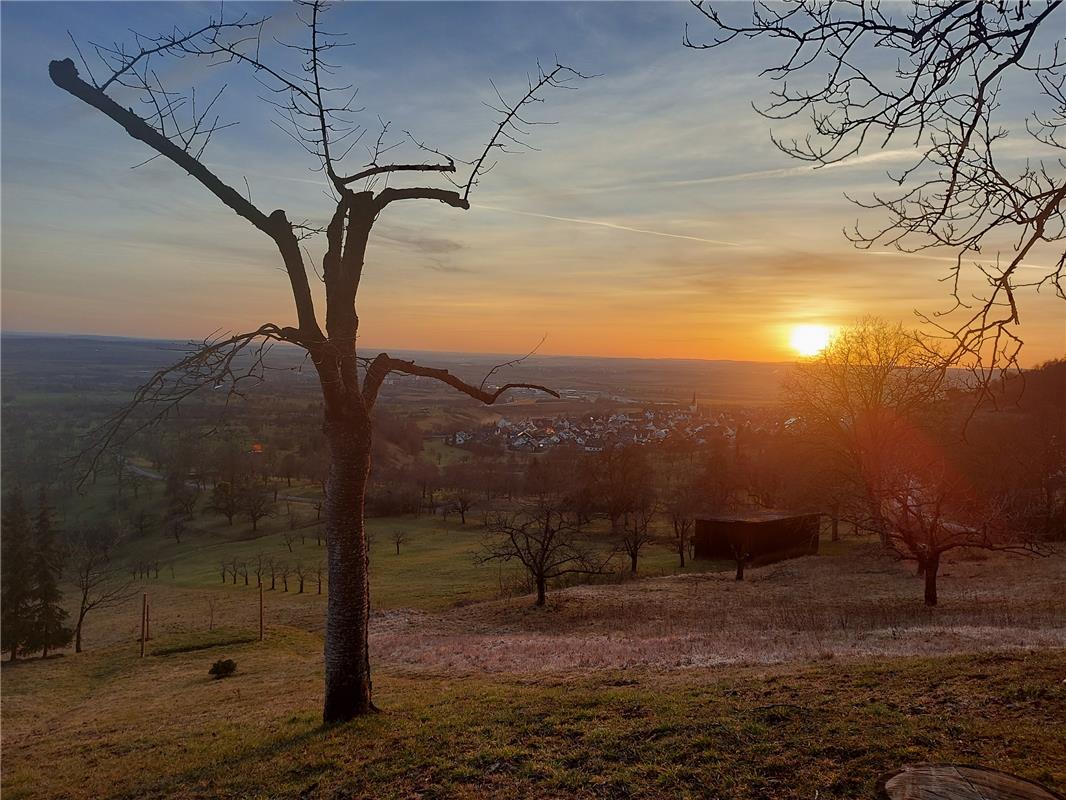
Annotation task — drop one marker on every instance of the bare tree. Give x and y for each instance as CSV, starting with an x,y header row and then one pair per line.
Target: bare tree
x,y
399,537
622,477
273,568
320,569
223,566
256,504
961,192
226,500
681,496
298,569
322,120
284,570
258,566
289,538
98,580
871,383
176,528
142,521
930,507
637,532
544,541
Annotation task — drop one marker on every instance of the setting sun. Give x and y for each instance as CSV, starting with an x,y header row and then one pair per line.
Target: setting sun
x,y
809,340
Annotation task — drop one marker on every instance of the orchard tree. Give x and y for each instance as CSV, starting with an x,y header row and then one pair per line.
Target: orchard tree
x,y
931,506
254,501
545,540
872,384
637,530
100,584
226,500
322,121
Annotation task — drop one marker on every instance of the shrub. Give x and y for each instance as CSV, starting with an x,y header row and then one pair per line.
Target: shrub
x,y
223,668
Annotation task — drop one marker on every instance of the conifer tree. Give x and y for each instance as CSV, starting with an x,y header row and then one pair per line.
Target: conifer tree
x,y
49,631
16,591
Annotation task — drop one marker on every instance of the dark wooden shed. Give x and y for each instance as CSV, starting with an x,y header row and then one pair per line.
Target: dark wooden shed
x,y
756,537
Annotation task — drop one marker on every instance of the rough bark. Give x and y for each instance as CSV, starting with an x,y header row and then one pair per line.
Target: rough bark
x,y
77,633
348,686
932,566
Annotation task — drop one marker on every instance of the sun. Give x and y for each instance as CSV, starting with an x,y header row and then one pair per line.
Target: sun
x,y
810,340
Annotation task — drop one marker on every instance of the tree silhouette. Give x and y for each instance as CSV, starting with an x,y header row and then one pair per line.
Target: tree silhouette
x,y
50,630
928,77
321,119
16,588
544,540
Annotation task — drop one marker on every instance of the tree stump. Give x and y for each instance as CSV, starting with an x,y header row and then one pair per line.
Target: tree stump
x,y
958,782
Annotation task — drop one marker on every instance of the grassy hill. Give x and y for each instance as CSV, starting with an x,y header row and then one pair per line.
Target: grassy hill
x,y
812,678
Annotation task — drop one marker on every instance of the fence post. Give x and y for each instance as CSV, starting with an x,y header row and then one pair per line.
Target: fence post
x,y
144,619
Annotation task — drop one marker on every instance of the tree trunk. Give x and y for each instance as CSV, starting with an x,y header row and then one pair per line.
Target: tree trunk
x,y
348,687
541,588
740,569
633,563
77,632
932,565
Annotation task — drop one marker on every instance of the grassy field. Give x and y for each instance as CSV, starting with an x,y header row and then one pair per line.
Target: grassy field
x,y
809,679
110,725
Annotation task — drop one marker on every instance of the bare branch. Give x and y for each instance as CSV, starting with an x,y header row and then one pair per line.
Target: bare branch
x,y
511,123
383,364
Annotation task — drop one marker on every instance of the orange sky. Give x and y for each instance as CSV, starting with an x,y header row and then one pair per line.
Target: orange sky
x,y
655,220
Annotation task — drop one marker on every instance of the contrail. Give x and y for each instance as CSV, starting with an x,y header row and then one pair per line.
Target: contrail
x,y
612,225
952,260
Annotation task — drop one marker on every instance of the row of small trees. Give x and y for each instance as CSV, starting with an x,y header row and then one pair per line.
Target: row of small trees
x,y
263,569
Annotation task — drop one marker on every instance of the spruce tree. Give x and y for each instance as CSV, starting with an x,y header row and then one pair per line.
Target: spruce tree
x,y
16,580
49,631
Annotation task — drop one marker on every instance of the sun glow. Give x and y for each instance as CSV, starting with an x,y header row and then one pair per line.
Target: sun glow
x,y
810,340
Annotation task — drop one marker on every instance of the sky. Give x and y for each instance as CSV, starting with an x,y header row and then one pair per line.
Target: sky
x,y
654,219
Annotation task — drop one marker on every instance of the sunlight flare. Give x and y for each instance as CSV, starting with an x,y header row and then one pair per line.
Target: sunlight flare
x,y
810,340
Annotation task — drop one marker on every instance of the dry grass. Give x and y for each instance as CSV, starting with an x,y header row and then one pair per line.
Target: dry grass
x,y
693,685
853,602
857,603
110,725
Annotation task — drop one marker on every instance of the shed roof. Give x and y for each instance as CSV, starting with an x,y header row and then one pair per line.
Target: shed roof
x,y
752,516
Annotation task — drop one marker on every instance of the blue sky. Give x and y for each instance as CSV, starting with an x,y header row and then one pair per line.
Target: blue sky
x,y
655,218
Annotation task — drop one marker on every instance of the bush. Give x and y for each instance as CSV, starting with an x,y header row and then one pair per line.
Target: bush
x,y
223,668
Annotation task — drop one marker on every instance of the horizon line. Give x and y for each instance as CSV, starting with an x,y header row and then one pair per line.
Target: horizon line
x,y
126,337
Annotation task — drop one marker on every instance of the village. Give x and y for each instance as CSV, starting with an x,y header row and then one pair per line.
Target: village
x,y
594,432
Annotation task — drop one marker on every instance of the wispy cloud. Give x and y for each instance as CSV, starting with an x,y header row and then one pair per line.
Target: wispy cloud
x,y
614,226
